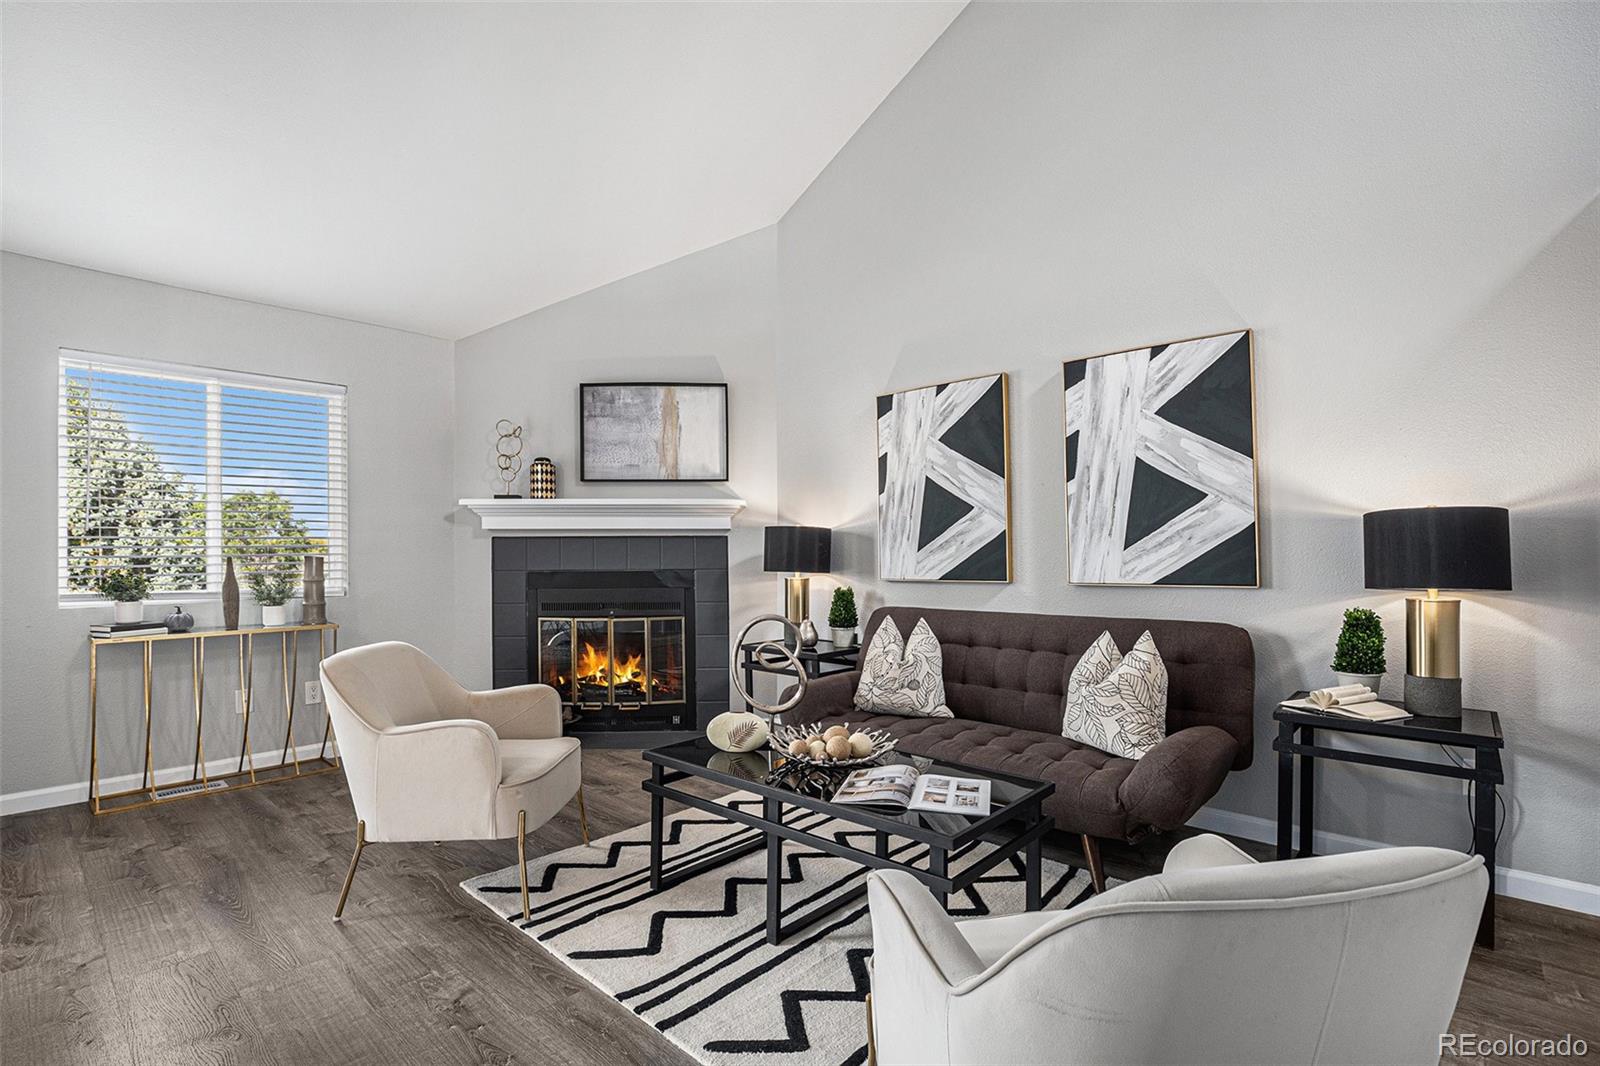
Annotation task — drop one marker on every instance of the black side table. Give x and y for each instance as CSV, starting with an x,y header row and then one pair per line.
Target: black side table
x,y
819,661
1477,730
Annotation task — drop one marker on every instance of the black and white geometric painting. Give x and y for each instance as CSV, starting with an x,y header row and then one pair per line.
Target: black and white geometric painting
x,y
944,509
1160,465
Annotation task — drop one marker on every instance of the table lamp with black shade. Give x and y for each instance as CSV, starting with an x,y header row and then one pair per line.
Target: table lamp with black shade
x,y
799,551
1433,548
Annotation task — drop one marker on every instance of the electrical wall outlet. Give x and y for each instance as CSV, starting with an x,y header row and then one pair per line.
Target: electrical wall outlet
x,y
238,701
313,693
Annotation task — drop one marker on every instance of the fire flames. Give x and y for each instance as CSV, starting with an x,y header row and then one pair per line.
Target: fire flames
x,y
596,668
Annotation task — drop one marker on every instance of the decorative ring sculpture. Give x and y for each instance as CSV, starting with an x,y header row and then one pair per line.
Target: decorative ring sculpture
x,y
771,654
508,452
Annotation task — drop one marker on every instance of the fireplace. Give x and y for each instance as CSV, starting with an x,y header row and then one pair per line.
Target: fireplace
x,y
632,632
615,645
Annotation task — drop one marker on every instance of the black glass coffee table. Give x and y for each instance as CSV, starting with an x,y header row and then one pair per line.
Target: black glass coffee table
x,y
1015,824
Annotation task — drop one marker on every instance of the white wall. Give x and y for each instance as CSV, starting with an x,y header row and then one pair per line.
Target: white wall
x,y
400,432
705,317
1398,199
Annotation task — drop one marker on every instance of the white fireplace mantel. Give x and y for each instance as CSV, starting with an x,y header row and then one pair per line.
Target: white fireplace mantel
x,y
608,515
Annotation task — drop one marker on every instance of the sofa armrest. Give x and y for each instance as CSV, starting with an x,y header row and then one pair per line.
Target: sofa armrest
x,y
825,697
1204,852
1178,776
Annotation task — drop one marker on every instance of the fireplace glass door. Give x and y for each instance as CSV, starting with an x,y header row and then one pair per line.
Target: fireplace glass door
x,y
613,664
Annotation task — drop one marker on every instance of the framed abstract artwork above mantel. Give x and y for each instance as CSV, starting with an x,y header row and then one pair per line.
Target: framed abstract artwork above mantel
x,y
944,491
653,431
1161,465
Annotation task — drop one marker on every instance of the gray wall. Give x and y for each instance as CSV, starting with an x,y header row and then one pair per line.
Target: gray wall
x,y
1398,199
400,387
705,317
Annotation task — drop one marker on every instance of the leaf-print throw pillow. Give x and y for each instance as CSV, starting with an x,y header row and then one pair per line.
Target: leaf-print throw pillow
x,y
1116,702
900,676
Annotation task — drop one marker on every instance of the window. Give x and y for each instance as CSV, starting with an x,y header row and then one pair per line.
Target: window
x,y
170,470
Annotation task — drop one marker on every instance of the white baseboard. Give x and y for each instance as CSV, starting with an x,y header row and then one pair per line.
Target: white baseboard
x,y
39,799
1518,884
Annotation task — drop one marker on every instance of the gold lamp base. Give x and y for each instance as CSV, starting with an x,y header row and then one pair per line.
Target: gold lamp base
x,y
1433,655
796,598
797,608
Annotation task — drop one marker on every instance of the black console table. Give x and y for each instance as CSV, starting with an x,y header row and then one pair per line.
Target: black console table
x,y
819,661
1477,730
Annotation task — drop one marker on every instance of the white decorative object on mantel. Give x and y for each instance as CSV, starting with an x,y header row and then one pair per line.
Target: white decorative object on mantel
x,y
609,514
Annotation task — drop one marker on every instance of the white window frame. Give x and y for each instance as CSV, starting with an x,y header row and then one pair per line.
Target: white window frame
x,y
215,379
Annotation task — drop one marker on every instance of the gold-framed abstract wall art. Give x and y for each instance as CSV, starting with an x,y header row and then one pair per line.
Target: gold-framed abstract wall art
x,y
1161,465
944,482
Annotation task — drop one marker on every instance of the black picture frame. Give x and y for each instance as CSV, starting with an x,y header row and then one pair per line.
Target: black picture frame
x,y
585,474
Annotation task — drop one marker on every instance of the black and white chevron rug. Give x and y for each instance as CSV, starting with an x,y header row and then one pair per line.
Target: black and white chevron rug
x,y
694,962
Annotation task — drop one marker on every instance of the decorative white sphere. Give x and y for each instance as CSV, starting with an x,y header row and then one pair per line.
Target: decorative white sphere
x,y
737,731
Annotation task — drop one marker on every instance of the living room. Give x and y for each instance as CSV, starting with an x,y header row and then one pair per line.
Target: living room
x,y
485,486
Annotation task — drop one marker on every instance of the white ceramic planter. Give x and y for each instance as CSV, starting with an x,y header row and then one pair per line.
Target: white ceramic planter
x,y
132,611
1369,680
275,616
844,638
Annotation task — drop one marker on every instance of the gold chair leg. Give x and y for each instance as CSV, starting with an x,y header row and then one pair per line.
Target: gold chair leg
x,y
872,1043
583,817
349,878
522,858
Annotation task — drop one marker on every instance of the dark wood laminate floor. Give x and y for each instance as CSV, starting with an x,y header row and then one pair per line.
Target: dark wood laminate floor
x,y
200,932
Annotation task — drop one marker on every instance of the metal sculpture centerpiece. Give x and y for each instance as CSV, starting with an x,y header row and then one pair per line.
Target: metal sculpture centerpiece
x,y
774,655
818,776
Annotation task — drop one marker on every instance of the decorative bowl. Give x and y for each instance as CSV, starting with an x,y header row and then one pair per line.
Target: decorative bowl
x,y
882,744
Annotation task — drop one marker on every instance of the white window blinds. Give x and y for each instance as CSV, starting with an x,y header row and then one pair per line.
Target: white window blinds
x,y
168,470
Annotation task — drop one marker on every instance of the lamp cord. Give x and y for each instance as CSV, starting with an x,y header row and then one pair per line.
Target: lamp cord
x,y
1472,820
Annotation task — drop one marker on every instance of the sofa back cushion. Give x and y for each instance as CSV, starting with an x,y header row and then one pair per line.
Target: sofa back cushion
x,y
1011,669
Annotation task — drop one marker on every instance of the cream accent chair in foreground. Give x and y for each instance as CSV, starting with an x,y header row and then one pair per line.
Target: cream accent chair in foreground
x,y
1336,959
428,760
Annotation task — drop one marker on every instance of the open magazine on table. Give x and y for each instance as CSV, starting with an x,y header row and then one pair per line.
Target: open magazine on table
x,y
904,786
1348,701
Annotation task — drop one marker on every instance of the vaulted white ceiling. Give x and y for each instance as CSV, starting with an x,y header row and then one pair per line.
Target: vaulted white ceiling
x,y
437,167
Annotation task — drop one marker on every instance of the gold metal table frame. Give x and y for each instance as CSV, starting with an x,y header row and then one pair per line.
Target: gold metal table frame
x,y
247,775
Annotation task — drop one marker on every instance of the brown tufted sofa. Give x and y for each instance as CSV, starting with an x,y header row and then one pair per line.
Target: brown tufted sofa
x,y
1005,677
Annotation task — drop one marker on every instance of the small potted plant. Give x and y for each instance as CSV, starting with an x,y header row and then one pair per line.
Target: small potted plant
x,y
127,589
272,590
842,617
1358,657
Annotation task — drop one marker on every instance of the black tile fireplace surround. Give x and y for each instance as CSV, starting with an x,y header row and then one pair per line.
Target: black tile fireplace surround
x,y
655,577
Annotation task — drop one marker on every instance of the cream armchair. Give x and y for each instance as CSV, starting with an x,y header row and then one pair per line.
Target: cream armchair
x,y
1336,959
428,760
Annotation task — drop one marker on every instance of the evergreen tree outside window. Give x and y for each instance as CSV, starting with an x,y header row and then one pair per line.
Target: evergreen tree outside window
x,y
171,469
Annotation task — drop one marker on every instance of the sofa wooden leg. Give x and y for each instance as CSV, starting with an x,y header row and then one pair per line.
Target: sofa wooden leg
x,y
1091,852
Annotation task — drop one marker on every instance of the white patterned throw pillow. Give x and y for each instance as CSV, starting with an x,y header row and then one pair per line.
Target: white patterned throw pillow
x,y
900,676
1116,702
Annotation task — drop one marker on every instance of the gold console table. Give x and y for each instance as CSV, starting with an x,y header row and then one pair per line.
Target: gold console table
x,y
248,774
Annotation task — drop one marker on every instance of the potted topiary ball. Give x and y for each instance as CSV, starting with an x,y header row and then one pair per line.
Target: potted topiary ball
x,y
126,589
842,617
1358,657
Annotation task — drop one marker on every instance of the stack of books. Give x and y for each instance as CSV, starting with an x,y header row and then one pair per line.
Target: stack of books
x,y
128,629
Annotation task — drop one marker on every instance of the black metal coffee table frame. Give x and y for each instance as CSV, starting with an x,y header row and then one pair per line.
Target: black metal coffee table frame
x,y
1015,825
